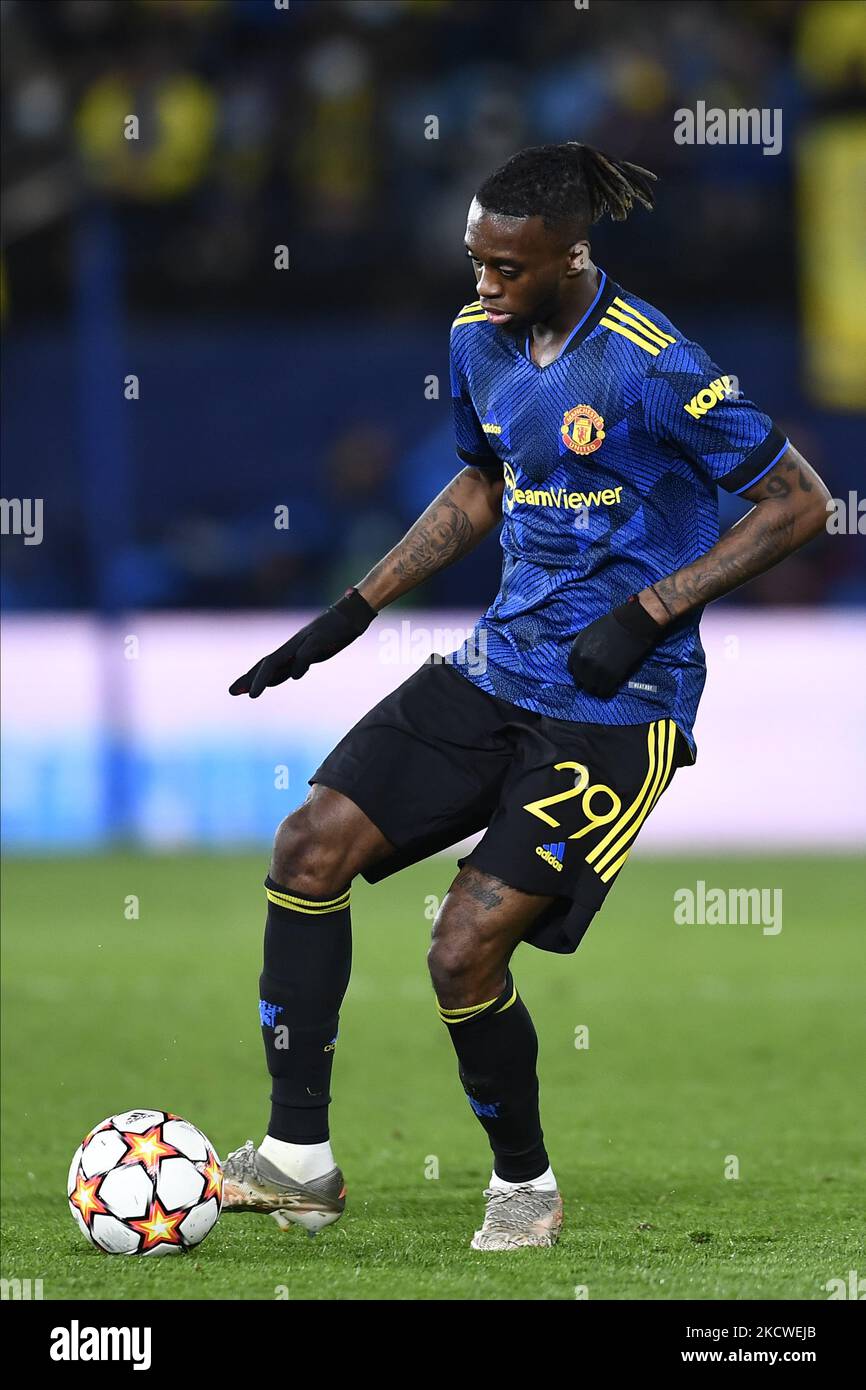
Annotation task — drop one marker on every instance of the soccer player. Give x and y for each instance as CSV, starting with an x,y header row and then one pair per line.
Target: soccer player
x,y
597,433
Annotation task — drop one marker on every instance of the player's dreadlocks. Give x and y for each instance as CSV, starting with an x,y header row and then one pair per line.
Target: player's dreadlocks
x,y
566,183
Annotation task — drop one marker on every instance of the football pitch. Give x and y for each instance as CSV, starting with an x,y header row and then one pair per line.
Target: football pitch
x,y
708,1140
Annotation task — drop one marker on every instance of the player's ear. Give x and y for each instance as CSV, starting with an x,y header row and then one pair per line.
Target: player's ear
x,y
578,257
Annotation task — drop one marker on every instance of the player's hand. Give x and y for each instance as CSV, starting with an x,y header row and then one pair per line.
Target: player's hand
x,y
323,637
608,650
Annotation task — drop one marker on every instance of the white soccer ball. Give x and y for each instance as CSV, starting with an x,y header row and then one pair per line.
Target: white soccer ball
x,y
145,1182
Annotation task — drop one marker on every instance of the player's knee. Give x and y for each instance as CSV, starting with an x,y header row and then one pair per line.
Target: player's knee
x,y
306,860
458,976
448,968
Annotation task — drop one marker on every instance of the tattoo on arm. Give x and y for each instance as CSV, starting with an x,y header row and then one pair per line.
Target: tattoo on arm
x,y
452,525
780,483
784,517
662,602
778,487
803,482
442,534
749,548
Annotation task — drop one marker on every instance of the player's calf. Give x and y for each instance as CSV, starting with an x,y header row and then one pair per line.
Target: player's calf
x,y
475,932
307,958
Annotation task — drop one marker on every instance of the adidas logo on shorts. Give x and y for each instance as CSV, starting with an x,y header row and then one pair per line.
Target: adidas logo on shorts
x,y
552,854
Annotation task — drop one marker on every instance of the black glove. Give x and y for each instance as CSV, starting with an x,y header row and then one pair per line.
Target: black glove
x,y
323,637
603,654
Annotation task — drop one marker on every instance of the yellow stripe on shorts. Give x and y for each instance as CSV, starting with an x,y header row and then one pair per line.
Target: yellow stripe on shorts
x,y
615,856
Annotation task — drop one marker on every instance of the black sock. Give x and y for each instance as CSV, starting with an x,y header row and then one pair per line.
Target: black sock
x,y
308,956
497,1049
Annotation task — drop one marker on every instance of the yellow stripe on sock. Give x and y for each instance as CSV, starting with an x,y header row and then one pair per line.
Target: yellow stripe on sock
x,y
308,902
510,1002
307,905
472,1009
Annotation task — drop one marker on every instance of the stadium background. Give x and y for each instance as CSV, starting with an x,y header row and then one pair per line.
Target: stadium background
x,y
161,573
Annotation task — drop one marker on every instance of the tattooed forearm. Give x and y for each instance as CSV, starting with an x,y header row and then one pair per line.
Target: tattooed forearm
x,y
790,508
749,548
454,523
438,537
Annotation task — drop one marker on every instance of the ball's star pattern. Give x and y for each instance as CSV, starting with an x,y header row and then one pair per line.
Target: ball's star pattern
x,y
85,1197
159,1227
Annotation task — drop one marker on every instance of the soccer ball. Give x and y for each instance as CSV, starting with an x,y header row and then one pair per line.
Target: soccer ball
x,y
145,1182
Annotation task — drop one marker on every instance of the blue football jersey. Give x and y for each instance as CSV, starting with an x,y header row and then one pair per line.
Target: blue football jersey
x,y
611,456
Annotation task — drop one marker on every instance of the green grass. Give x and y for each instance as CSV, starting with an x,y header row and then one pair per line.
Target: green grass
x,y
704,1042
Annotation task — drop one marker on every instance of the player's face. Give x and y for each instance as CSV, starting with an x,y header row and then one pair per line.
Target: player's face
x,y
523,270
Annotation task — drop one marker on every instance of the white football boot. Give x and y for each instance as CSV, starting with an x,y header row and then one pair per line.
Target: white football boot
x,y
518,1216
252,1183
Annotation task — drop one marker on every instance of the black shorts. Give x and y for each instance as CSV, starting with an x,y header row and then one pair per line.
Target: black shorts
x,y
561,802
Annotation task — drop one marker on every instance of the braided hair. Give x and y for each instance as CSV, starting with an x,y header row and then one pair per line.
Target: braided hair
x,y
566,183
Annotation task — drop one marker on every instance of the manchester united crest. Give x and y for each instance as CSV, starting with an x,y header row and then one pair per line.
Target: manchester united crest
x,y
582,429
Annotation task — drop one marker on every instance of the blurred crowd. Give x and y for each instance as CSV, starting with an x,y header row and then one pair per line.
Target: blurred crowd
x,y
311,124
353,132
